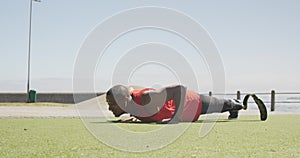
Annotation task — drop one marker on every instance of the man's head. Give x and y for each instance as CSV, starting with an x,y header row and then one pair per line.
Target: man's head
x,y
117,97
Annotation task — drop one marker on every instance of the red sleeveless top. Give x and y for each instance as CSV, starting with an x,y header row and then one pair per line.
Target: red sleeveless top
x,y
191,111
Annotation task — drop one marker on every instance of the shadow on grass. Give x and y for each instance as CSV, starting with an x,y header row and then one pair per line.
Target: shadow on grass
x,y
117,121
225,121
198,121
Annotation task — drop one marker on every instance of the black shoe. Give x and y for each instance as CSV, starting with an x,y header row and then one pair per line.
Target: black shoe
x,y
233,115
236,105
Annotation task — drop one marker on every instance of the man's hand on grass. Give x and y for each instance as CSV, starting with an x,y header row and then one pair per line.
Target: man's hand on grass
x,y
129,119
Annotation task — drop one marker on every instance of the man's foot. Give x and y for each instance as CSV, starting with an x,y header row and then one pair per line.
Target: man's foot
x,y
236,105
233,115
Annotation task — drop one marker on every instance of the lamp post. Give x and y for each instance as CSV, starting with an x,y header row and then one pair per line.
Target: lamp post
x,y
29,48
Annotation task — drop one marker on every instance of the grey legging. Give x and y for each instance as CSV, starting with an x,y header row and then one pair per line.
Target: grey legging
x,y
212,104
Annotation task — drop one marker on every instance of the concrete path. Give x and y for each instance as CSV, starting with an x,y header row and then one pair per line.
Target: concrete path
x,y
75,112
90,108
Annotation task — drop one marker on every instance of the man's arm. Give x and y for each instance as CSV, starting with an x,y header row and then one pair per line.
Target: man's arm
x,y
156,99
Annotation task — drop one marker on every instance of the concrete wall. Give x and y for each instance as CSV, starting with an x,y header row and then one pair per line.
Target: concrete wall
x,y
68,98
13,97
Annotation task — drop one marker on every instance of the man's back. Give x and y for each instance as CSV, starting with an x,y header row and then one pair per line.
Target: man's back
x,y
191,112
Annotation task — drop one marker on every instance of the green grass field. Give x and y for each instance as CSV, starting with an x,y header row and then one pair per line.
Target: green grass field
x,y
68,137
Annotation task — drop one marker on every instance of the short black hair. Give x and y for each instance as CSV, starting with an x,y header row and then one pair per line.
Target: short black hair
x,y
118,91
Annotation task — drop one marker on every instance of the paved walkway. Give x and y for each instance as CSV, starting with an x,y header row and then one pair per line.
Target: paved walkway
x,y
23,111
90,108
77,111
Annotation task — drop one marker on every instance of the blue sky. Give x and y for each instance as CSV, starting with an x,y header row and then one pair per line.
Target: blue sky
x,y
258,42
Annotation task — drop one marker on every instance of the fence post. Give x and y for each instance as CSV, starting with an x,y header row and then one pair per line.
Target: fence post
x,y
238,95
210,93
272,100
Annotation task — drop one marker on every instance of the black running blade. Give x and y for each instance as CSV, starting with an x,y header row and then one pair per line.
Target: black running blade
x,y
245,101
261,106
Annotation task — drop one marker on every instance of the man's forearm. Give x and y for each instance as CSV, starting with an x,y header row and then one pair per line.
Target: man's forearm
x,y
179,100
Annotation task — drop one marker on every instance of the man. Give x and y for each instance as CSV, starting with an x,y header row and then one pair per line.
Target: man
x,y
171,104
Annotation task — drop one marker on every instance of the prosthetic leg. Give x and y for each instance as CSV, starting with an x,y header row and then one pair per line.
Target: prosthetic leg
x,y
233,106
260,104
215,105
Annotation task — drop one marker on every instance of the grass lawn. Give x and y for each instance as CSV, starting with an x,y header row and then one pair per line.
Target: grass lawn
x,y
67,137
